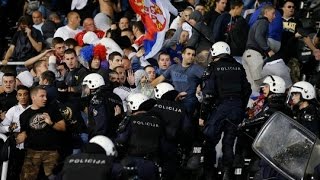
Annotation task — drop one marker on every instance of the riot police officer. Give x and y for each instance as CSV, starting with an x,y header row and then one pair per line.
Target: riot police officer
x,y
272,99
177,128
104,109
139,137
304,106
95,162
227,87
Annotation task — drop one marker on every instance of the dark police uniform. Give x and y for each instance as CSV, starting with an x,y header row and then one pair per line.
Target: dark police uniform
x,y
274,102
177,130
101,113
87,166
227,87
309,118
140,136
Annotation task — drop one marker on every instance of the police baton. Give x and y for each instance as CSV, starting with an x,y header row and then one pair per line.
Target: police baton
x,y
238,129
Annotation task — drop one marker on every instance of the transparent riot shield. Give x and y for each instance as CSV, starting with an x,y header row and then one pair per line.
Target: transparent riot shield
x,y
287,146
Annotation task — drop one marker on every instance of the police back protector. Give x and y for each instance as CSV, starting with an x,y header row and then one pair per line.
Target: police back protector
x,y
228,76
171,114
145,135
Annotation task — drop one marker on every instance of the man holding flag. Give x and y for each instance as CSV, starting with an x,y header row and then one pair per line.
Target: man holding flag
x,y
155,14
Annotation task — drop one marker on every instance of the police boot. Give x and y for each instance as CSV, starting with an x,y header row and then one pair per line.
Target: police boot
x,y
228,174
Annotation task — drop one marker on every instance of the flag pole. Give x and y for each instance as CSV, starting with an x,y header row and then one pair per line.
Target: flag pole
x,y
201,34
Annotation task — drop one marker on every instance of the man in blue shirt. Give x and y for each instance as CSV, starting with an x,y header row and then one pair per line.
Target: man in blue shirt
x,y
185,77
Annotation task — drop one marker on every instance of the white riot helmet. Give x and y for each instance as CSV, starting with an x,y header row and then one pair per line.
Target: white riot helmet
x,y
306,89
161,89
220,48
105,143
93,81
135,100
276,84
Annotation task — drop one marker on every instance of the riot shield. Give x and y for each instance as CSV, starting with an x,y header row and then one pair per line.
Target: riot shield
x,y
287,146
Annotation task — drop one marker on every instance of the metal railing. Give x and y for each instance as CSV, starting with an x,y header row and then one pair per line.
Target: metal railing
x,y
13,63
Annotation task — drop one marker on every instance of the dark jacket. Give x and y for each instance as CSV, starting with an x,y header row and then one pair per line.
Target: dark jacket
x,y
258,36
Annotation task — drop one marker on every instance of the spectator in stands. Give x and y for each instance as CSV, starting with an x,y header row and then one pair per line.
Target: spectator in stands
x,y
229,25
143,84
175,44
226,21
88,25
109,8
126,63
11,124
50,25
26,42
115,60
257,47
128,32
38,68
126,78
8,96
47,79
292,31
179,20
200,8
102,21
24,78
123,23
185,77
40,126
71,29
211,16
163,63
59,47
71,96
95,56
11,121
275,27
37,20
122,74
151,72
138,32
201,38
71,43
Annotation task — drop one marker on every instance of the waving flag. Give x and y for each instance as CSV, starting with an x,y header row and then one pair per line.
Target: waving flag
x,y
155,15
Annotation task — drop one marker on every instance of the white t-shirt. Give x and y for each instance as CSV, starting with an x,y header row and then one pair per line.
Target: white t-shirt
x,y
13,116
38,27
65,32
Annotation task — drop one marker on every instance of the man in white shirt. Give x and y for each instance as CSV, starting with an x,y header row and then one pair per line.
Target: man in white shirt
x,y
71,29
11,121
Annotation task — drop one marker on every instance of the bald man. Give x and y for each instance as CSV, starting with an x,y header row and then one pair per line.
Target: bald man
x,y
88,25
71,29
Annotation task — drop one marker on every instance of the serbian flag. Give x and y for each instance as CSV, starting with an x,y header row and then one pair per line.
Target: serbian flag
x,y
155,15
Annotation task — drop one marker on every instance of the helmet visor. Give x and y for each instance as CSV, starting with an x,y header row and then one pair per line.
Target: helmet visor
x,y
85,91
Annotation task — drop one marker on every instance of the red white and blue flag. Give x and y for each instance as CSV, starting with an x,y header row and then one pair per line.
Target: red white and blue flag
x,y
155,15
